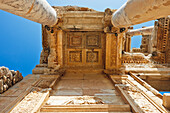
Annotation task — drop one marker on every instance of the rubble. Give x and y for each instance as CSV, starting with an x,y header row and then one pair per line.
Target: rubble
x,y
8,78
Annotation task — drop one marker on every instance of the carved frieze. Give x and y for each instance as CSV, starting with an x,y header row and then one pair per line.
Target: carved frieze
x,y
135,58
83,21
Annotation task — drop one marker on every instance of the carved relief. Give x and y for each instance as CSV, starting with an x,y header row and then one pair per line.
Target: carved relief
x,y
93,41
75,56
135,58
92,56
75,41
84,48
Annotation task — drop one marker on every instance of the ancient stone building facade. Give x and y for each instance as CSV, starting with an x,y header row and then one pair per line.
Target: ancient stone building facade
x,y
163,41
145,44
85,41
82,38
86,65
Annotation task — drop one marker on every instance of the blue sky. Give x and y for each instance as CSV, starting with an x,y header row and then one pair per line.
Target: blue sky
x,y
20,39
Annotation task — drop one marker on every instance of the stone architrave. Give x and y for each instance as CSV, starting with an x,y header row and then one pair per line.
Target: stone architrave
x,y
113,51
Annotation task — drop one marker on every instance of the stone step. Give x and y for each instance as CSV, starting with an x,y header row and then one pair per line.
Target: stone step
x,y
96,99
148,70
86,108
84,70
154,74
86,112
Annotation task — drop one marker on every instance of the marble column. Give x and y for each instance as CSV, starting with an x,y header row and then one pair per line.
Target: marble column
x,y
141,31
36,10
139,11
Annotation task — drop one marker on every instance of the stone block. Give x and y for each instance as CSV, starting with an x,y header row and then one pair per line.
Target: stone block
x,y
166,100
39,70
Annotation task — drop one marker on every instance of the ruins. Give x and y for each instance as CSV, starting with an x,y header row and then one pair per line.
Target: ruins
x,y
87,64
8,78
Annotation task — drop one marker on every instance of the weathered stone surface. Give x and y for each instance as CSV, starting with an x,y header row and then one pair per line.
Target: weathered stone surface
x,y
31,102
166,100
8,78
145,10
161,41
35,10
113,51
1,86
83,44
141,31
10,75
138,58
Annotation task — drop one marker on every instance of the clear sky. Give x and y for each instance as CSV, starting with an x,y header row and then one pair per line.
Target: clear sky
x,y
20,39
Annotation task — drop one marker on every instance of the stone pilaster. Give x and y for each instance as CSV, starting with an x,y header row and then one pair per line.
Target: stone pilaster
x,y
127,43
52,58
45,46
113,52
59,36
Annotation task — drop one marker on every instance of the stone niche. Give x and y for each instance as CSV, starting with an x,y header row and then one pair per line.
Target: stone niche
x,y
82,39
